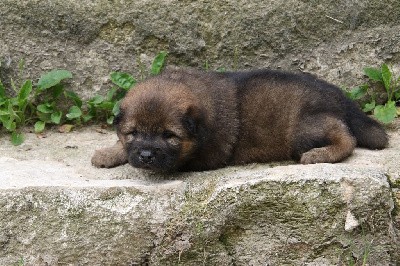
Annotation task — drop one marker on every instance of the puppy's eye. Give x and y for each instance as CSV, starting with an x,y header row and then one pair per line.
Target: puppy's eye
x,y
134,132
168,134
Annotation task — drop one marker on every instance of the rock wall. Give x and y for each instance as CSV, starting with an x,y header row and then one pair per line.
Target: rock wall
x,y
333,39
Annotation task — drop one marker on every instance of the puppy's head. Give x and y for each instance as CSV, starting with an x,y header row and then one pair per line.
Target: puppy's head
x,y
160,125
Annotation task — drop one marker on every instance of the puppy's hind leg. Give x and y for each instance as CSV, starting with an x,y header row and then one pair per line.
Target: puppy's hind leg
x,y
323,139
110,157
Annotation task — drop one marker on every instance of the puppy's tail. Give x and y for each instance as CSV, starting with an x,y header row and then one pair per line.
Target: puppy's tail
x,y
368,132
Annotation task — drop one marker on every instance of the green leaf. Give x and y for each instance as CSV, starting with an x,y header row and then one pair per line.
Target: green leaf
x,y
2,91
397,95
39,126
123,80
98,99
387,78
9,123
4,113
87,118
357,92
120,94
57,90
110,120
13,102
56,117
74,97
107,105
158,63
11,110
44,117
25,91
53,78
368,107
46,108
17,138
373,73
221,69
111,93
74,112
115,109
386,113
13,86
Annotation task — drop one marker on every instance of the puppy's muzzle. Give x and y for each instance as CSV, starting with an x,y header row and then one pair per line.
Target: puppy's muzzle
x,y
147,156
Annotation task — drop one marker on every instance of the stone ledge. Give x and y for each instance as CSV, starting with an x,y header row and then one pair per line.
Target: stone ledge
x,y
57,209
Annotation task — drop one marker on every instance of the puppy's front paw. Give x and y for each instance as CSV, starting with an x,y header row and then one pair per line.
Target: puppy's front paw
x,y
101,159
109,157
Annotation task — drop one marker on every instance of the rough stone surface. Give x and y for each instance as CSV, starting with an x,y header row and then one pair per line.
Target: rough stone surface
x,y
333,39
56,209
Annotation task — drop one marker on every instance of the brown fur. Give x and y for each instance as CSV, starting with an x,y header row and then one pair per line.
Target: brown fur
x,y
192,120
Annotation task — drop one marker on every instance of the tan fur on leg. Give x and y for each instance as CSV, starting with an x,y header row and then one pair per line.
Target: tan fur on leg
x,y
110,157
342,144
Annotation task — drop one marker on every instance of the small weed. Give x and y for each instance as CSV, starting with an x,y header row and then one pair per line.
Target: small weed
x,y
357,253
206,66
48,98
221,69
352,261
387,111
158,63
104,108
13,110
49,103
21,262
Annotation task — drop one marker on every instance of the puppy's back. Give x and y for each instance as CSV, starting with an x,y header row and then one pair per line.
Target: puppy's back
x,y
269,106
284,114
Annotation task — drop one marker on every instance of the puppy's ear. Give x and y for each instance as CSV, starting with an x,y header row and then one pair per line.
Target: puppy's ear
x,y
193,119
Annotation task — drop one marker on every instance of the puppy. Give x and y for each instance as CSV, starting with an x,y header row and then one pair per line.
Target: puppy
x,y
187,120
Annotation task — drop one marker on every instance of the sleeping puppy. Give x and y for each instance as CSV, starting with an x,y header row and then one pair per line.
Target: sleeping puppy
x,y
188,120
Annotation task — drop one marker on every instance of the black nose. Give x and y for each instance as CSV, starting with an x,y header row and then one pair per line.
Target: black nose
x,y
146,156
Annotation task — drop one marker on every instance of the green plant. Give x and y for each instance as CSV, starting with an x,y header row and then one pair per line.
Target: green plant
x,y
158,63
388,111
49,91
356,255
22,109
20,262
100,108
107,107
47,102
13,110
